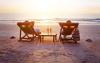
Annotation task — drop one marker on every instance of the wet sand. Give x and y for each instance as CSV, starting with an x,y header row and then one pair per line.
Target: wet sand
x,y
12,51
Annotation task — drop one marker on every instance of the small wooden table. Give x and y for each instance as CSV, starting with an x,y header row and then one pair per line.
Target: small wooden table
x,y
48,35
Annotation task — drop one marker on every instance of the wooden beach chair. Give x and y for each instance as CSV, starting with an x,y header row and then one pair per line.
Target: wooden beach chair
x,y
69,29
28,30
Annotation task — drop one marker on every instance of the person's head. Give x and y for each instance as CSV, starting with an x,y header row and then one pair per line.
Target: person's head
x,y
26,21
33,22
68,21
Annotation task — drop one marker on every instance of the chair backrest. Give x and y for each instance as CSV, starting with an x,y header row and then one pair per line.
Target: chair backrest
x,y
68,28
26,27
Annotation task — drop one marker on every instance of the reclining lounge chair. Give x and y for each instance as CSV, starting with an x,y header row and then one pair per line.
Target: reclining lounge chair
x,y
69,29
28,30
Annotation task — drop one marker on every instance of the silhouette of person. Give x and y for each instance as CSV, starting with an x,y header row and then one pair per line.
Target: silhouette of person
x,y
36,32
68,21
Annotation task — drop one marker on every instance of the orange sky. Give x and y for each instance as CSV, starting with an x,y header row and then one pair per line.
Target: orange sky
x,y
50,8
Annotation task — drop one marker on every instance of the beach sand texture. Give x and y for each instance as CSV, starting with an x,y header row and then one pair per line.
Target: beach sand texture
x,y
12,51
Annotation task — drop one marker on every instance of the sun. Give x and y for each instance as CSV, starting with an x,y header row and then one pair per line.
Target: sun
x,y
39,5
43,5
50,8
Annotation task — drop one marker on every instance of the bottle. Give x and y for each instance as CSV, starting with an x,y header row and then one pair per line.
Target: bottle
x,y
50,30
47,30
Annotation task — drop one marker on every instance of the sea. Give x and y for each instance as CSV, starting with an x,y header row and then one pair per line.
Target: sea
x,y
11,18
8,25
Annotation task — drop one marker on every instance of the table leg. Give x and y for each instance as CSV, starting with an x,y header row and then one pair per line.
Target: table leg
x,y
40,38
53,38
56,37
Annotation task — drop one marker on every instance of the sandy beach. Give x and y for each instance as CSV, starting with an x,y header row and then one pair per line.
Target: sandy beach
x,y
12,51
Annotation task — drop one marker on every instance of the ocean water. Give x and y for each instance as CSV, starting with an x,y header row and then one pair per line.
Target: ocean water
x,y
52,22
13,18
8,24
87,28
44,24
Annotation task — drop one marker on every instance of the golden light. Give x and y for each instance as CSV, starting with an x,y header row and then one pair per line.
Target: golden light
x,y
50,8
45,9
43,5
45,22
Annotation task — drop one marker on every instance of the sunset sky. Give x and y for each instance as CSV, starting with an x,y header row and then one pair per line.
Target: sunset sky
x,y
51,8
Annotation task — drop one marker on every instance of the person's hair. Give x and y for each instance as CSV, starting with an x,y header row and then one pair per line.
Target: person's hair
x,y
26,21
68,21
32,21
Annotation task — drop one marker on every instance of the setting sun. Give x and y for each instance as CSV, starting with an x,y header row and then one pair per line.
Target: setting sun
x,y
48,8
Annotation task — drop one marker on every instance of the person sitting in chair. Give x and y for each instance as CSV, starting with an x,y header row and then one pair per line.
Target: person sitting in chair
x,y
36,30
76,33
69,31
66,31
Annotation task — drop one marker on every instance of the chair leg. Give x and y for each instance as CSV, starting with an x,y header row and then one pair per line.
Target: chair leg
x,y
20,35
75,41
60,38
